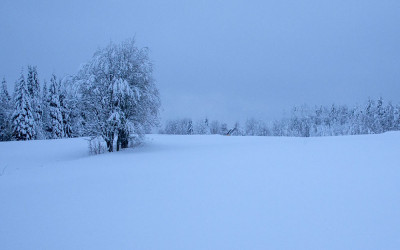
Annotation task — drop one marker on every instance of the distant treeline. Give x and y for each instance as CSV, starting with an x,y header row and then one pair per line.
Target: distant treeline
x,y
375,117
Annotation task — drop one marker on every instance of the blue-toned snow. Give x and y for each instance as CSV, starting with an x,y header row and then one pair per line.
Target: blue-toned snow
x,y
203,192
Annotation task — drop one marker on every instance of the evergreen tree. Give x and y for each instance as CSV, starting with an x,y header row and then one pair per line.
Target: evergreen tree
x,y
389,118
380,117
5,112
202,127
46,112
396,118
36,102
23,121
189,130
56,122
207,126
369,117
66,111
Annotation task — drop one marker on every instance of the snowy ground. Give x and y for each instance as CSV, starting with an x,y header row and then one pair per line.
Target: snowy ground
x,y
203,192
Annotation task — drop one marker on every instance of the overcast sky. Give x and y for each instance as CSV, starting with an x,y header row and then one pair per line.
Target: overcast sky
x,y
222,59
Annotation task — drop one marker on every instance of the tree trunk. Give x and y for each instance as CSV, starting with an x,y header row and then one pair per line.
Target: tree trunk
x,y
125,143
118,143
109,146
123,138
110,142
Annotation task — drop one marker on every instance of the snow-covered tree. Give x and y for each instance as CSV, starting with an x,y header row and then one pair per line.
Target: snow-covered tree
x,y
368,117
252,127
396,118
46,124
66,108
5,112
215,127
376,116
263,129
56,121
202,127
223,129
380,121
171,127
389,119
279,128
23,120
119,97
32,82
178,127
189,130
236,130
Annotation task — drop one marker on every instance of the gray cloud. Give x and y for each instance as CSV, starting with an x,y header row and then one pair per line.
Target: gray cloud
x,y
228,59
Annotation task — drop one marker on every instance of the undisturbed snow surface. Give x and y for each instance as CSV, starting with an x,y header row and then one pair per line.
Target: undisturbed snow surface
x,y
203,192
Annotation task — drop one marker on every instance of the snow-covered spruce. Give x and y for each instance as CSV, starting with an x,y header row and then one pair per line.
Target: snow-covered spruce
x,y
32,82
5,112
23,120
46,126
56,121
66,110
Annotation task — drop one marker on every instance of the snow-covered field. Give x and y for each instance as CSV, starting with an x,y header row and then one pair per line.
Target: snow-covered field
x,y
203,192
